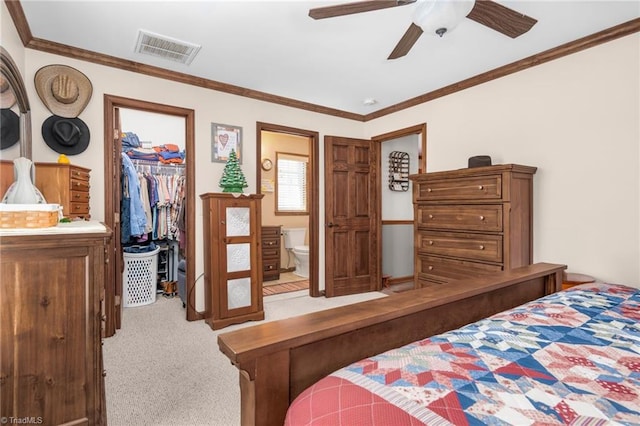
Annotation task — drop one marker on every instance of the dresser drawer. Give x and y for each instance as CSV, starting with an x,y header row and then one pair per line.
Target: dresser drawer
x,y
80,174
481,247
270,251
79,197
469,188
440,269
271,232
270,269
271,265
79,185
487,218
269,243
78,209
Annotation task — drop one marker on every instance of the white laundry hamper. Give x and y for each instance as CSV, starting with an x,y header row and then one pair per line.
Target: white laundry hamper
x,y
139,278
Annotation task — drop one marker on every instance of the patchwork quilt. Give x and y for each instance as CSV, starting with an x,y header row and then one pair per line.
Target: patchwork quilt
x,y
572,357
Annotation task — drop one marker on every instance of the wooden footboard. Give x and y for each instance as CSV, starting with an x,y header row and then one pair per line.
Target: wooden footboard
x,y
279,359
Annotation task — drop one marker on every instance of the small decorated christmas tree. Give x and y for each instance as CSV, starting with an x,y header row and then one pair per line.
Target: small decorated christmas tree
x,y
232,179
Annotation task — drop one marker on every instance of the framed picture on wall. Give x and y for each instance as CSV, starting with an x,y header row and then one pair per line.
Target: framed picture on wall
x,y
224,139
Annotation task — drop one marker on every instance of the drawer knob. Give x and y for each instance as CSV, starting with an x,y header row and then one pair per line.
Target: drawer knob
x,y
428,189
430,242
430,268
480,187
481,217
481,247
430,216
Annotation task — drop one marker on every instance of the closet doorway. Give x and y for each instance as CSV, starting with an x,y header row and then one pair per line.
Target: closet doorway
x,y
396,203
288,143
113,302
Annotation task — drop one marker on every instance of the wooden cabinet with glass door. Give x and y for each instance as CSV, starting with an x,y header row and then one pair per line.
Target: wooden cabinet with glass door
x,y
232,258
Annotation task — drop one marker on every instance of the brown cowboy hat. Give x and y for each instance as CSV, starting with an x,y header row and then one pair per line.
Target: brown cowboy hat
x,y
68,136
7,97
9,128
65,91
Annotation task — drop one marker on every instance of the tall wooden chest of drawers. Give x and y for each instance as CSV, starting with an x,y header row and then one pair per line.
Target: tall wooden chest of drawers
x,y
270,253
67,185
472,221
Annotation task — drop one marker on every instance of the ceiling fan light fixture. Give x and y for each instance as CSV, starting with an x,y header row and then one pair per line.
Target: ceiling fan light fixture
x,y
437,17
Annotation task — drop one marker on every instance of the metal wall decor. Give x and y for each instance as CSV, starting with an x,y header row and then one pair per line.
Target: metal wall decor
x,y
398,171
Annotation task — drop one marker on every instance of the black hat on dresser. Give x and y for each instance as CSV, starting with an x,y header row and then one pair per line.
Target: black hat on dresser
x,y
9,128
69,136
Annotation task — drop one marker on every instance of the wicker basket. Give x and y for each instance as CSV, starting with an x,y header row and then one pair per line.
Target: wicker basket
x,y
29,215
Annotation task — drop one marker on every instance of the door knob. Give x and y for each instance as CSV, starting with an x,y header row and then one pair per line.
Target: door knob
x,y
331,225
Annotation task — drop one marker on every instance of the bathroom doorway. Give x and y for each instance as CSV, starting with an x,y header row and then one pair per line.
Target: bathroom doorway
x,y
289,207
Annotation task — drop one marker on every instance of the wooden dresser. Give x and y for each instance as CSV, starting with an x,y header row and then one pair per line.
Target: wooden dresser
x,y
271,253
472,221
67,185
51,367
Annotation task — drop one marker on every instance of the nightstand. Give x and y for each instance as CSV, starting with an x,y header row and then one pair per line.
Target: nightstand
x,y
570,279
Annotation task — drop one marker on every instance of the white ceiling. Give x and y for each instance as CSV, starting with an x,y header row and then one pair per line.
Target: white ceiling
x,y
276,48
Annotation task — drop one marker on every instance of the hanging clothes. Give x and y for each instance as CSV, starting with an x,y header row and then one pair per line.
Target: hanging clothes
x,y
162,194
133,219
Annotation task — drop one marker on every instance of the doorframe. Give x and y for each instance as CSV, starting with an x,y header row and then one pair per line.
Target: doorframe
x,y
110,103
314,150
418,129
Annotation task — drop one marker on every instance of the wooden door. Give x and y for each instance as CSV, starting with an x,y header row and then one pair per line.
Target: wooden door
x,y
351,231
113,276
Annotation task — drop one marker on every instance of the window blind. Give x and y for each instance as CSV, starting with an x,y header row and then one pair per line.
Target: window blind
x,y
292,185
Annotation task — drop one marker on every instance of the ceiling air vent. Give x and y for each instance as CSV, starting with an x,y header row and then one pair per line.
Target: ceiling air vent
x,y
166,47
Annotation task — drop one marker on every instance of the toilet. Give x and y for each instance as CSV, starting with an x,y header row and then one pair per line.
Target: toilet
x,y
294,243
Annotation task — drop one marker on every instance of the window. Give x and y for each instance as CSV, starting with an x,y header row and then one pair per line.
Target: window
x,y
291,183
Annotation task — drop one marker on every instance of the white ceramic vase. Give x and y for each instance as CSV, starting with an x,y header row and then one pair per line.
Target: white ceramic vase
x,y
22,190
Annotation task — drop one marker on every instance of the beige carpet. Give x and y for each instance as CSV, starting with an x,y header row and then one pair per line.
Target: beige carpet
x,y
164,370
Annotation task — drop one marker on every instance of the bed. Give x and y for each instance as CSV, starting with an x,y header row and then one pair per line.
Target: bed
x,y
279,360
572,357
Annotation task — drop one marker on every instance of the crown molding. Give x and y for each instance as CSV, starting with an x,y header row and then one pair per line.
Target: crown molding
x,y
22,26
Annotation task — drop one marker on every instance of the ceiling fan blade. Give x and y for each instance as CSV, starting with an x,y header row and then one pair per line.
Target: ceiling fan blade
x,y
407,41
357,7
500,18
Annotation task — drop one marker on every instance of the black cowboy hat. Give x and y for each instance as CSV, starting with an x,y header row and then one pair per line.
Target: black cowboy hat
x,y
10,128
68,136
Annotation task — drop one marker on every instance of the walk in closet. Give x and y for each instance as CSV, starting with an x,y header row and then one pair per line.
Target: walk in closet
x,y
153,124
152,208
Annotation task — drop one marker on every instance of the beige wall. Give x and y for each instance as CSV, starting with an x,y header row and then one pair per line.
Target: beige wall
x,y
575,118
578,120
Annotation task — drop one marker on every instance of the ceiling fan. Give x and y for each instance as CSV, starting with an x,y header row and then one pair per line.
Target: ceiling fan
x,y
437,17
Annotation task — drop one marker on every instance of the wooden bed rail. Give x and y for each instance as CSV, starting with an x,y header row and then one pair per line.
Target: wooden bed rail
x,y
279,359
